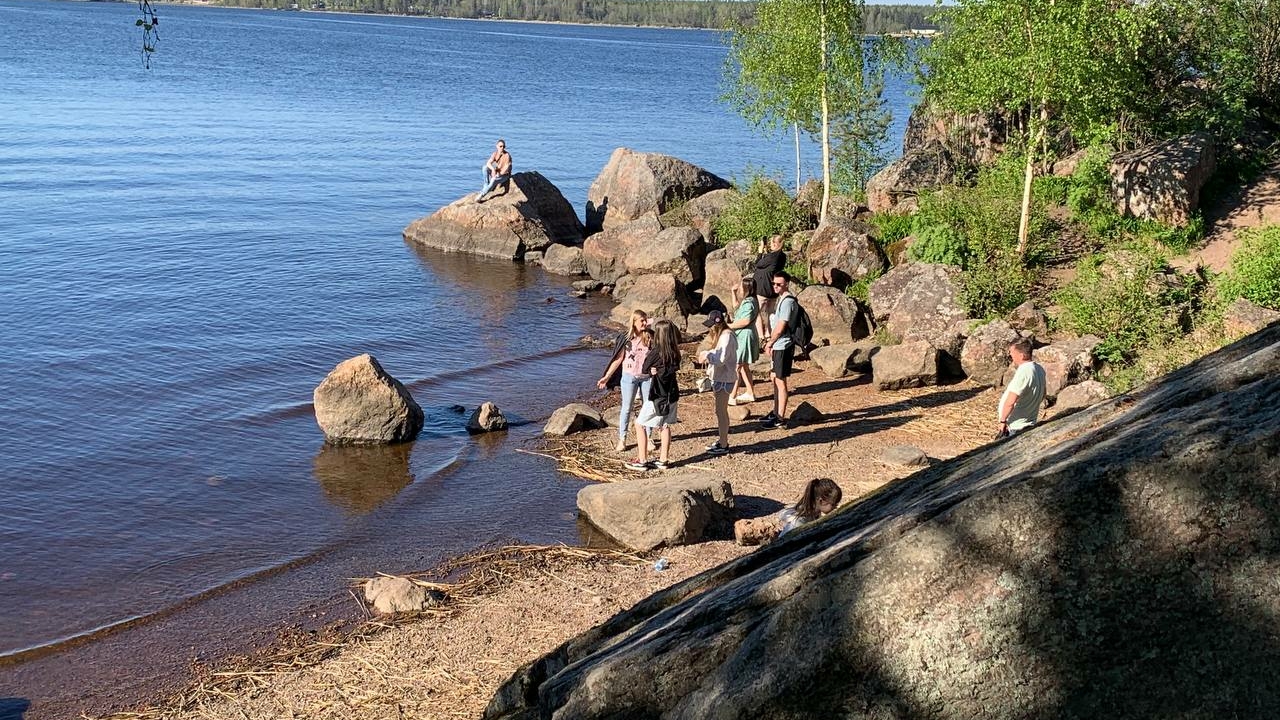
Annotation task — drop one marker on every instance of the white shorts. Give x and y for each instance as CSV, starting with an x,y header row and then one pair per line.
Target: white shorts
x,y
650,418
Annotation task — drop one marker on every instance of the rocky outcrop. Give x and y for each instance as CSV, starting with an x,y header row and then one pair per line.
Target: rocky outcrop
x,y
486,418
1162,181
725,268
702,212
912,364
634,184
985,356
842,252
1118,563
920,168
972,140
573,418
1243,317
661,296
606,253
838,361
1066,363
919,301
564,260
358,402
646,513
836,318
678,251
531,216
398,595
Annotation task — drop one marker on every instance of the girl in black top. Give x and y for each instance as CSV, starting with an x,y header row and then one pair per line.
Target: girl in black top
x,y
767,266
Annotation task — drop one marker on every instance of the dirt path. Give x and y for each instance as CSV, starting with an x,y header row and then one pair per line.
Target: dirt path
x,y
1254,205
449,666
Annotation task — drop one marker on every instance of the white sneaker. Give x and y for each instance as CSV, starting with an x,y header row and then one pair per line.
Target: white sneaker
x,y
621,446
744,398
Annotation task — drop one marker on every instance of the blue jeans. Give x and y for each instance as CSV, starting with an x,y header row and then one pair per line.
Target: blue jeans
x,y
630,386
493,183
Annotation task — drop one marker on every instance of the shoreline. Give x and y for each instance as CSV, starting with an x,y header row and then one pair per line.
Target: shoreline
x,y
944,421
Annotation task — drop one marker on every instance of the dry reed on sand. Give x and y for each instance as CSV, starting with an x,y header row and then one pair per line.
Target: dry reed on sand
x,y
475,576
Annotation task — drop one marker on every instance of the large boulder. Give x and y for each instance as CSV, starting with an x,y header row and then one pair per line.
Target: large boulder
x,y
573,418
970,139
605,253
838,361
661,296
725,268
648,513
842,252
530,216
1120,562
921,168
704,211
678,251
634,184
1162,181
912,364
358,402
836,318
919,301
1078,397
985,356
564,260
1066,363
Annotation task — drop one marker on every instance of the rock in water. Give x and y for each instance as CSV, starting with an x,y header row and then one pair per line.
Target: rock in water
x,y
1120,562
358,402
486,418
573,418
531,216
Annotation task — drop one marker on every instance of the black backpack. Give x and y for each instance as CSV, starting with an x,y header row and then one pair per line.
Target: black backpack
x,y
802,329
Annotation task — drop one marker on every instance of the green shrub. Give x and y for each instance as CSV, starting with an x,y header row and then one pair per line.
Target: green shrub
x,y
860,289
1255,268
1131,300
798,269
891,227
763,210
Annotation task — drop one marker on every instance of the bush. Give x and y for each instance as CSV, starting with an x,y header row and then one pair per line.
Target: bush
x,y
861,289
1130,299
891,227
764,210
1255,268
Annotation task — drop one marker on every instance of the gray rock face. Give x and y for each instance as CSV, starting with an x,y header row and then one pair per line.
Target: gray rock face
x,y
486,418
913,364
661,296
973,139
531,216
904,456
1118,563
985,356
704,210
1078,397
397,594
1066,363
1243,317
725,268
835,360
564,260
636,184
918,301
358,402
921,168
572,418
646,513
678,251
843,251
606,253
835,317
1162,181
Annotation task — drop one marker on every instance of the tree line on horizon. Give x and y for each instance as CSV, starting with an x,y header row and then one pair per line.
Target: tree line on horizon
x,y
707,14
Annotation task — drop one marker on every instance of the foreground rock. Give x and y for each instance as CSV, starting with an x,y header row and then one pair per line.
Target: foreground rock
x,y
531,216
648,513
573,418
836,318
985,356
1243,317
1117,563
838,361
398,595
358,402
634,184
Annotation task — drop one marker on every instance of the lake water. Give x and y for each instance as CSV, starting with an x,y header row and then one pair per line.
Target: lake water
x,y
185,252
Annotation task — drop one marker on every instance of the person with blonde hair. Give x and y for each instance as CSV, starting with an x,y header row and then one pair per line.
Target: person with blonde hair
x,y
722,368
744,329
659,410
629,353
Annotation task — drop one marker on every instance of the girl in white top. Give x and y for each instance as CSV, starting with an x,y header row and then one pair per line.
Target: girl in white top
x,y
722,368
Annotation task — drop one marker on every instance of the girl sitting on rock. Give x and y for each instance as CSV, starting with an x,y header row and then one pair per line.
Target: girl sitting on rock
x,y
821,496
659,409
629,353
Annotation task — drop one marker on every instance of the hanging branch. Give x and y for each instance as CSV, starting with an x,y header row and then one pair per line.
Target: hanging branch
x,y
150,35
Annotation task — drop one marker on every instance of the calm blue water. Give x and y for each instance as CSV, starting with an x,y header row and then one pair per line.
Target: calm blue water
x,y
185,252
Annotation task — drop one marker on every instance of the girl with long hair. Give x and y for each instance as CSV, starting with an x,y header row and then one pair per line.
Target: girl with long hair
x,y
722,367
744,327
629,353
659,410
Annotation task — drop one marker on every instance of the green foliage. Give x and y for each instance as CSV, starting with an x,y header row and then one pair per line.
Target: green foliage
x,y
891,227
798,270
860,289
1255,268
1132,300
762,211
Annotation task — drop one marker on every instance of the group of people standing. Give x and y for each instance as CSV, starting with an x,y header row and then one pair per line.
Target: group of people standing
x,y
646,358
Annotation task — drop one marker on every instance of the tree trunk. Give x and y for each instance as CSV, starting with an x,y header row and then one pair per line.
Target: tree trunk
x,y
1033,144
797,127
826,129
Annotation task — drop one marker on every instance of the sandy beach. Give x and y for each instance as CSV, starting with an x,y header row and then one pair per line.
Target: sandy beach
x,y
506,608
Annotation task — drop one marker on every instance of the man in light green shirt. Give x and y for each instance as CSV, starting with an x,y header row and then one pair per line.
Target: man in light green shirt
x,y
1020,405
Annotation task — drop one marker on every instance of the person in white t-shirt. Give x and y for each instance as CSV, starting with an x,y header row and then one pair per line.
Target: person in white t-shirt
x,y
1020,405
